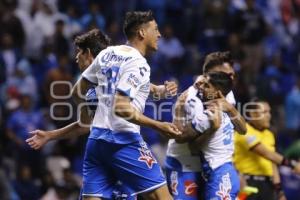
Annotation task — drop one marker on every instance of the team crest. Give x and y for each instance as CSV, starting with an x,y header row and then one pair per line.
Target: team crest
x,y
174,182
146,155
225,188
190,188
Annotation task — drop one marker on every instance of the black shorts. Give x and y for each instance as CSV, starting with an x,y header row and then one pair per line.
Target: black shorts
x,y
264,185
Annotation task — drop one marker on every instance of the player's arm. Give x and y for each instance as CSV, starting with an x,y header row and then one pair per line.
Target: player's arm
x,y
78,93
235,117
124,109
237,120
275,157
214,118
169,89
134,77
179,118
40,138
74,129
277,183
201,126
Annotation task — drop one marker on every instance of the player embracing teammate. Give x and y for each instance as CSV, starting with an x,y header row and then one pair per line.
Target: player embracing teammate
x,y
206,115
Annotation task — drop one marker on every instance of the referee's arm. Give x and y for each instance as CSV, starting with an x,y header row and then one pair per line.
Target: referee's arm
x,y
275,157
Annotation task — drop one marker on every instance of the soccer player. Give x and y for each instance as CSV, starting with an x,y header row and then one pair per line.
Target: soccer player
x,y
255,156
183,167
88,46
212,130
115,149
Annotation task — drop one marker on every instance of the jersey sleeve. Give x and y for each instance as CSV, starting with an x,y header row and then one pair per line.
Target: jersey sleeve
x,y
230,98
252,139
132,77
199,120
90,72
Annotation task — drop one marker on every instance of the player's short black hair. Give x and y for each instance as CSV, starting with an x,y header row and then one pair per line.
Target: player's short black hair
x,y
95,40
215,59
133,21
222,81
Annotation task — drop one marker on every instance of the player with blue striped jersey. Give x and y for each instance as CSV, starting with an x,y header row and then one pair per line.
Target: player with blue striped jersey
x,y
88,46
123,69
222,180
183,172
212,131
115,149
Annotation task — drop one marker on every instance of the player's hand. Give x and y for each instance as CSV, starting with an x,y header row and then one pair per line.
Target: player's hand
x,y
169,130
171,88
221,102
179,117
39,139
215,116
188,134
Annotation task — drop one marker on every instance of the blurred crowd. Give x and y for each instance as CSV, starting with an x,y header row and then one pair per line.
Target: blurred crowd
x,y
36,49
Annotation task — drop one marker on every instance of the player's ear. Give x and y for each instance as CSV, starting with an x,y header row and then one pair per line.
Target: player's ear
x,y
89,52
142,32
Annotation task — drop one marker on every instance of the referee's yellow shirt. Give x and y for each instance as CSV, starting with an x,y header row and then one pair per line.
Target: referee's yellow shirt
x,y
248,162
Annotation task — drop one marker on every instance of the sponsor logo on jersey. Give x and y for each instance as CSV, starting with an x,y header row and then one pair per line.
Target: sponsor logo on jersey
x,y
174,182
146,155
190,188
224,188
112,57
133,80
251,139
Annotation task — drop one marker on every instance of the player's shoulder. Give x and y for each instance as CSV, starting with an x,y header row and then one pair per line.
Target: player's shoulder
x,y
269,134
126,50
133,55
251,130
193,99
118,54
230,98
193,93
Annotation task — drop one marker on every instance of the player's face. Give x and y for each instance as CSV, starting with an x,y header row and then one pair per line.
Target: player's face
x,y
226,68
83,59
263,115
152,35
208,91
199,81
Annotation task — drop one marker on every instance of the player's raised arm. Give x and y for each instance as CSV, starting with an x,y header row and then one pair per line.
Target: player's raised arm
x,y
235,117
169,89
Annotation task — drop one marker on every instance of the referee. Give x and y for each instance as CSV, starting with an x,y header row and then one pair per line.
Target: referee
x,y
255,157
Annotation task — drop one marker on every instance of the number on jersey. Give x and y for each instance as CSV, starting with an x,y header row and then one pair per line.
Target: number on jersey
x,y
111,75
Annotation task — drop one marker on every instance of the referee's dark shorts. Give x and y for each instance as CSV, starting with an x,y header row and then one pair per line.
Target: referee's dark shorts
x,y
265,187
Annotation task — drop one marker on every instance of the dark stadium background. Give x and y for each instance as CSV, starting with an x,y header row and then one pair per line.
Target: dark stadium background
x,y
36,49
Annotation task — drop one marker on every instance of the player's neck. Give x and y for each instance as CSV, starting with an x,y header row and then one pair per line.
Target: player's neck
x,y
256,126
138,46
